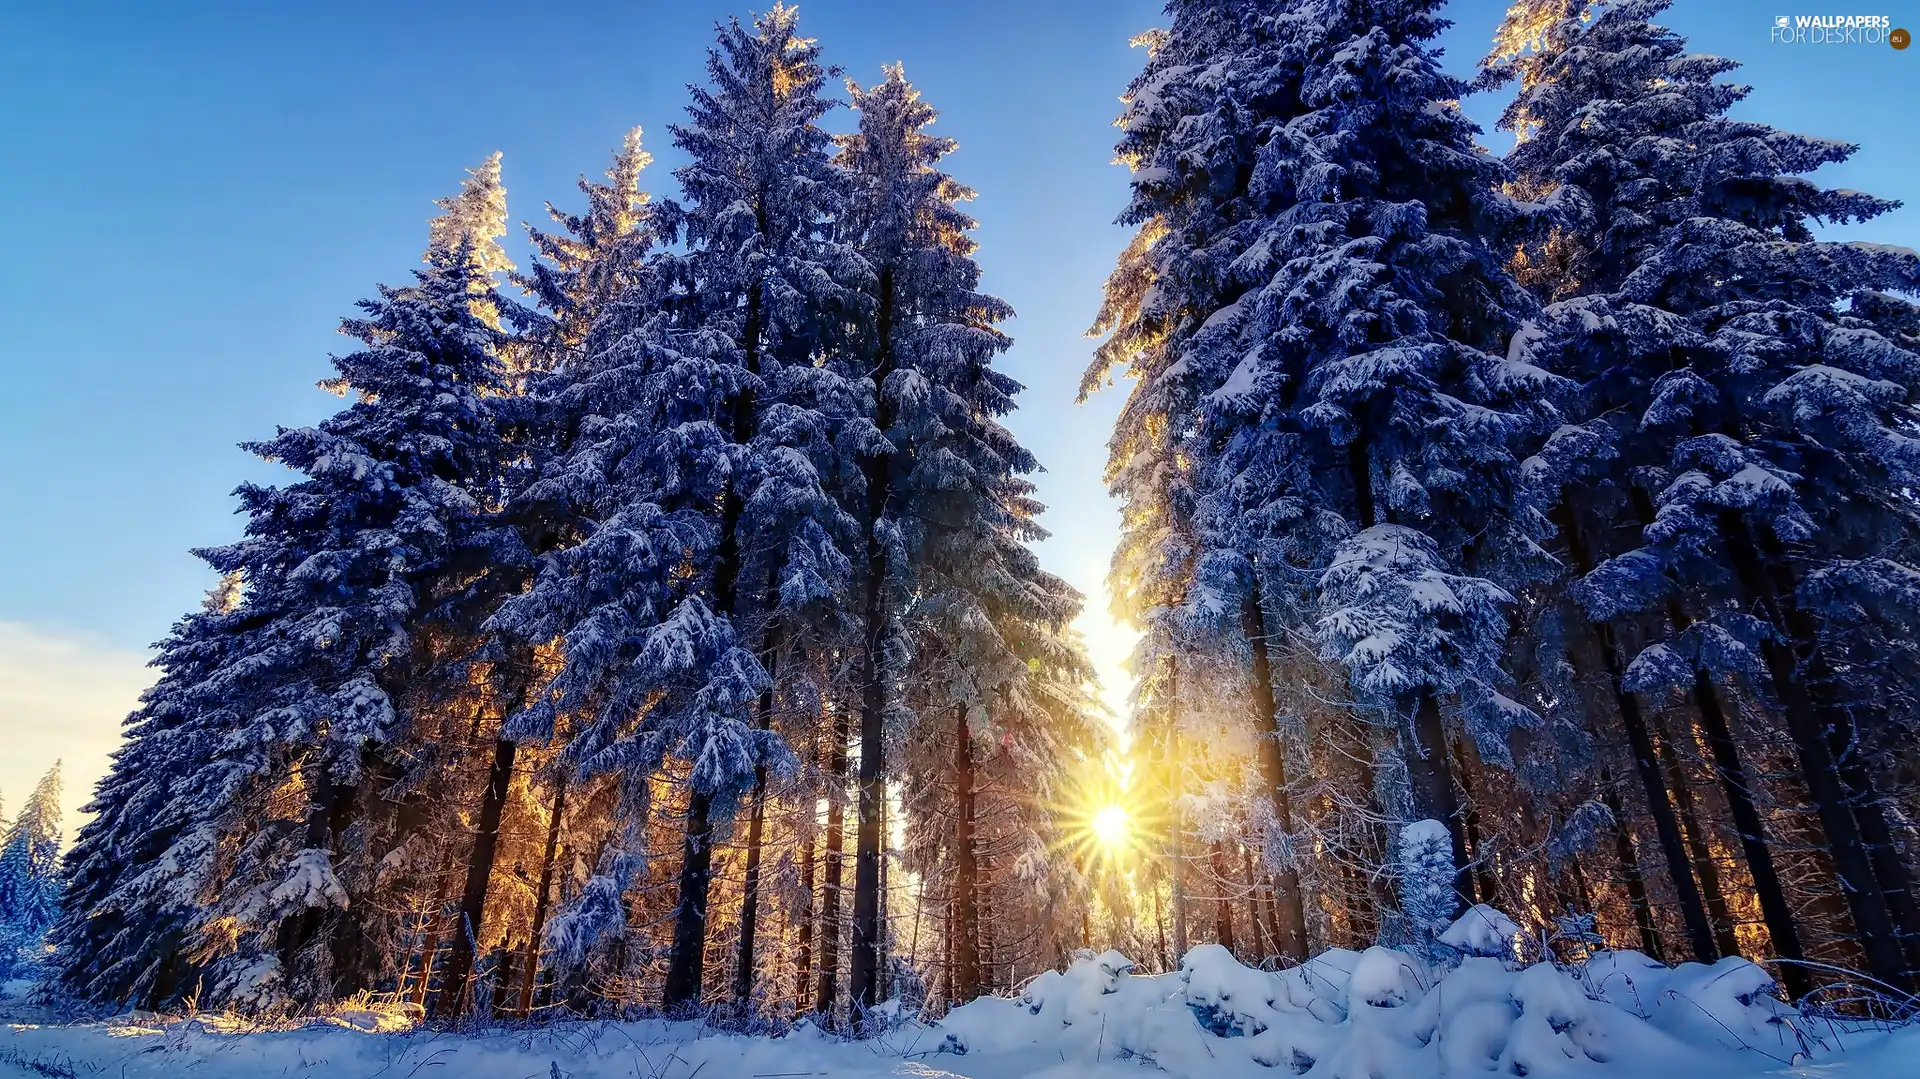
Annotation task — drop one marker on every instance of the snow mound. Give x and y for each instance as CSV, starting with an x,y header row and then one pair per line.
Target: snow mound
x,y
1390,1014
1381,1013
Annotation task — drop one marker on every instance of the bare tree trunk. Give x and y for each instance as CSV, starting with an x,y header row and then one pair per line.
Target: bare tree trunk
x,y
864,970
1160,929
966,881
1291,915
1630,871
1698,847
828,993
1737,788
454,996
756,829
1223,903
1486,885
530,974
803,950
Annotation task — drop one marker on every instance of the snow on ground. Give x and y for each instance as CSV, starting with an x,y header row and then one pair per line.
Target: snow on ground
x,y
1377,1014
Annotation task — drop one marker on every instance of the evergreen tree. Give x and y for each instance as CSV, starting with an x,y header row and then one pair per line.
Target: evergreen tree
x,y
125,915
710,438
340,570
1742,411
1323,316
30,866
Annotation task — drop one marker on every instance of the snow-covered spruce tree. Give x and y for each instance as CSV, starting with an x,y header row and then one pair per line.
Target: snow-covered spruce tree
x,y
1191,127
30,872
1755,415
947,470
1330,302
708,437
605,553
964,640
124,914
765,277
594,260
1374,333
341,570
1592,95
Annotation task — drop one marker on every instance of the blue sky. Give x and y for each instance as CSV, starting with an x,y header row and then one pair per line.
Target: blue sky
x,y
196,195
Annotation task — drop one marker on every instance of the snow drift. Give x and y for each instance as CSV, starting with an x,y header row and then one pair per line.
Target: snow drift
x,y
1383,1013
1392,1014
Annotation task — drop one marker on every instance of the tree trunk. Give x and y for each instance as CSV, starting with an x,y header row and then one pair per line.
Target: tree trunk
x,y
864,971
1290,915
1645,763
1811,731
966,878
1665,825
530,974
686,959
1179,887
756,829
1486,884
1259,921
1698,847
1737,788
1630,871
455,990
1223,903
803,946
829,989
1160,930
1434,798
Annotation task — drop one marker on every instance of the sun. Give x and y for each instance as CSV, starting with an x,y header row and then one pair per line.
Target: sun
x,y
1112,827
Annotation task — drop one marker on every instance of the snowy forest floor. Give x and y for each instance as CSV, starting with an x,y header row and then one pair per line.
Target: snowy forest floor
x,y
1378,1014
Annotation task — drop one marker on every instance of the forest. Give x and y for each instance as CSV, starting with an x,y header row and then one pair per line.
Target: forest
x,y
657,628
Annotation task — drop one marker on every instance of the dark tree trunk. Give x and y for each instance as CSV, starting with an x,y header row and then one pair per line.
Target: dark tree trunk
x,y
1811,731
948,933
1630,872
1486,885
836,839
530,967
803,952
1737,788
1429,769
686,962
1646,766
1291,916
1665,825
686,959
803,945
1698,847
456,987
1259,919
864,970
756,830
1160,929
966,876
1223,904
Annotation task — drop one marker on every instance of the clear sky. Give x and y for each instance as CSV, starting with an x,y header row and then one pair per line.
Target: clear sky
x,y
195,193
